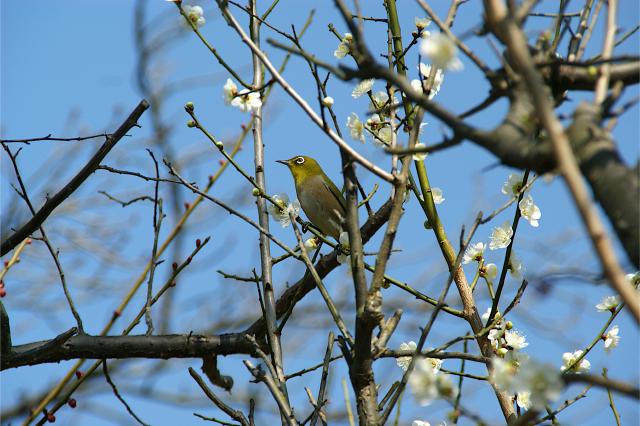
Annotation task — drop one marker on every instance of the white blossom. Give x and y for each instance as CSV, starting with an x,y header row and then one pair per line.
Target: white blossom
x,y
542,381
230,90
344,243
474,252
311,243
569,362
515,340
611,339
501,236
609,303
442,51
495,337
419,156
356,128
281,209
403,361
247,101
344,46
194,14
380,129
363,87
425,70
420,423
530,211
327,101
523,399
633,278
421,23
378,100
513,185
516,268
428,385
436,193
502,373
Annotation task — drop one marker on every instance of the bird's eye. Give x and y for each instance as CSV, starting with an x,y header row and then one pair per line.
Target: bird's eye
x,y
300,160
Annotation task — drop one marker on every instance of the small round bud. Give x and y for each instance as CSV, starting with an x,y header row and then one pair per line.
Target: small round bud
x,y
222,162
502,352
255,192
198,242
497,316
191,123
72,403
3,292
189,106
427,224
186,206
592,71
509,325
175,265
1,284
51,418
327,101
79,374
219,145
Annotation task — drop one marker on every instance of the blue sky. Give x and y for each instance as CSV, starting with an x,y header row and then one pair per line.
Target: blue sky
x,y
68,68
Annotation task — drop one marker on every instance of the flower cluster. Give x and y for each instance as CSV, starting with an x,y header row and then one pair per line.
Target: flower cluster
x,y
344,47
426,380
535,384
281,209
194,14
244,99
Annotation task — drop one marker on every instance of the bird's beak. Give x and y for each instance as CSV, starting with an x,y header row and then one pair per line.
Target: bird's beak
x,y
285,162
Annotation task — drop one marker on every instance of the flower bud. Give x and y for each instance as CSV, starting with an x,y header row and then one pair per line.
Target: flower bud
x,y
191,123
189,106
255,192
327,101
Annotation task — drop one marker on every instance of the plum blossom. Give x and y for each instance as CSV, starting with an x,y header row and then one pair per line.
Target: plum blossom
x,y
442,51
281,209
501,236
356,128
530,211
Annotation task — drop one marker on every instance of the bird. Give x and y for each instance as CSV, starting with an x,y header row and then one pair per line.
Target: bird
x,y
319,197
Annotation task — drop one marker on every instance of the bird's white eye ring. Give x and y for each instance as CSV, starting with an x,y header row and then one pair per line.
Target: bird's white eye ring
x,y
300,160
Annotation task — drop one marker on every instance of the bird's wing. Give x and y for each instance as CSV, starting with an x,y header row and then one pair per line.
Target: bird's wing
x,y
336,193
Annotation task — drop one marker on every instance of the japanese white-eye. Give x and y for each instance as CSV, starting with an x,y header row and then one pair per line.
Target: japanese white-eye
x,y
319,197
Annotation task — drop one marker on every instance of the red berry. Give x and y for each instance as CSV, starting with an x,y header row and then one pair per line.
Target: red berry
x,y
3,292
72,403
51,418
198,242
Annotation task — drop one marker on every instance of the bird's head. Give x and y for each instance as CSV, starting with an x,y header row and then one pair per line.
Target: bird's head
x,y
302,167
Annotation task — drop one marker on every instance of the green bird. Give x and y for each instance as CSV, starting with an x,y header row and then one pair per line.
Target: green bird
x,y
319,197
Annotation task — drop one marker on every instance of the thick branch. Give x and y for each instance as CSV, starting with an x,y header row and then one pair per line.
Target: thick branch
x,y
121,347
